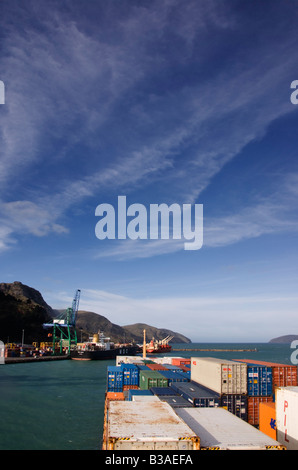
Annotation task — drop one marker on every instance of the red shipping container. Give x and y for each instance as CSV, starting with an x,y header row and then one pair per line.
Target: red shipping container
x,y
156,367
180,361
253,412
184,368
283,375
130,387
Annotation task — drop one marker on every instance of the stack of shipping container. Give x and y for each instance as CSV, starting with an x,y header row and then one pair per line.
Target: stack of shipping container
x,y
245,387
263,379
226,380
145,375
196,391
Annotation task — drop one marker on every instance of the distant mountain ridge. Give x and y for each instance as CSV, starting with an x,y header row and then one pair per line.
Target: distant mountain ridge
x,y
23,308
287,339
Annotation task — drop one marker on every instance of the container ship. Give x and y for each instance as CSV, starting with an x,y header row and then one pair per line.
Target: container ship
x,y
176,403
99,347
159,347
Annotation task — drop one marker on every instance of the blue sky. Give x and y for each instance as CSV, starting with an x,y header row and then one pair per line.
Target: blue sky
x,y
164,102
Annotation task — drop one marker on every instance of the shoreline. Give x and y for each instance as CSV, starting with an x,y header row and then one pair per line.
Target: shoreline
x,y
218,350
16,360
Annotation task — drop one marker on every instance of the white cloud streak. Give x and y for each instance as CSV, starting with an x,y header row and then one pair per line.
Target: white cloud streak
x,y
249,318
63,85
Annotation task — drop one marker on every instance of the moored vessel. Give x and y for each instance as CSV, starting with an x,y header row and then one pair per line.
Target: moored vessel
x,y
100,347
159,347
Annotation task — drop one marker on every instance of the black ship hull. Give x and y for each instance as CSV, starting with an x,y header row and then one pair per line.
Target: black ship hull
x,y
98,354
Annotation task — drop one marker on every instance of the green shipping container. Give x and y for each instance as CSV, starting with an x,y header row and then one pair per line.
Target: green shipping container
x,y
152,378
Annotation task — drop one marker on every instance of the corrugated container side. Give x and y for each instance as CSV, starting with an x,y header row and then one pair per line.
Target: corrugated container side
x,y
173,376
114,379
177,361
196,395
253,403
283,375
259,380
235,404
220,430
220,375
115,396
130,374
267,419
152,378
287,416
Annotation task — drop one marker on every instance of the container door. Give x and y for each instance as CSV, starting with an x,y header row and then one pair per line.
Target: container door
x,y
133,445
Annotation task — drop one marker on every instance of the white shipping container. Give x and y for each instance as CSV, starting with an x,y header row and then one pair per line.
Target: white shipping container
x,y
164,359
144,398
219,429
286,405
132,425
220,375
128,360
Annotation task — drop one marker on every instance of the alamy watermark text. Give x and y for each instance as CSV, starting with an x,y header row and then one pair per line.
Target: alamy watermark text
x,y
134,222
2,92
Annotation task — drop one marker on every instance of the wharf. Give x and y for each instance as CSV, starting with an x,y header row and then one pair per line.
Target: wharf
x,y
17,360
218,350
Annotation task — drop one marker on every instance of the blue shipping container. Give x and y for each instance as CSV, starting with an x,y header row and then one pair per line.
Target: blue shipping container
x,y
259,380
173,376
172,368
115,379
168,391
235,404
176,401
132,392
130,374
142,367
196,394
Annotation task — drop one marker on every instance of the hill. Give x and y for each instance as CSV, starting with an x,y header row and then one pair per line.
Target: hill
x,y
23,308
287,339
157,333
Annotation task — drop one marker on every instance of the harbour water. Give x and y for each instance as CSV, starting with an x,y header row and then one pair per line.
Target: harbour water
x,y
58,405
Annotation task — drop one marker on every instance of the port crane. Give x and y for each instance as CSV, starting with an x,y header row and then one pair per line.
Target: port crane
x,y
64,331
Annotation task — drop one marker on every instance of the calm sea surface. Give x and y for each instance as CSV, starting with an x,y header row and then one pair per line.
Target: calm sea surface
x,y
59,405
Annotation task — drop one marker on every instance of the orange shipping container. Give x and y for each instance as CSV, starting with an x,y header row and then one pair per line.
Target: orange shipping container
x,y
180,361
115,396
253,408
267,419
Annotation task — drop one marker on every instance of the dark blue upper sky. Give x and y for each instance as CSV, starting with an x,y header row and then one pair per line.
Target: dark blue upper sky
x,y
162,101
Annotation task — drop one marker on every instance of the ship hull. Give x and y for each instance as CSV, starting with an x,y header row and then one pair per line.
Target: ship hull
x,y
159,350
97,355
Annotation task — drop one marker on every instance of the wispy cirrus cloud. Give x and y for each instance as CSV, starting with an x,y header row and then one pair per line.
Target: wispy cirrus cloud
x,y
197,313
68,87
272,215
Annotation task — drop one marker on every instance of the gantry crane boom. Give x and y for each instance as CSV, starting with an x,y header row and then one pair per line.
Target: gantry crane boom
x,y
65,324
